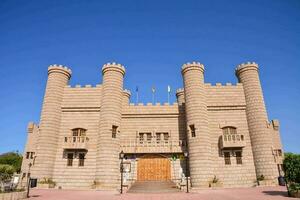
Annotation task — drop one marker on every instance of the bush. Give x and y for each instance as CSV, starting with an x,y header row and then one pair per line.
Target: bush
x,y
291,167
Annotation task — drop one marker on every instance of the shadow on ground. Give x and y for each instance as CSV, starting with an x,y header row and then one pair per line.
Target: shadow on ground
x,y
276,193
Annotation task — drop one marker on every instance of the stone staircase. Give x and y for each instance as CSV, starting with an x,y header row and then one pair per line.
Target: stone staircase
x,y
153,187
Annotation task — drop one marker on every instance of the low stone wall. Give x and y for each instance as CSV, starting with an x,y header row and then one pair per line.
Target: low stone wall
x,y
13,195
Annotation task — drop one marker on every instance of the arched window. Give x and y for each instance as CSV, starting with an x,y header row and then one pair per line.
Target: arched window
x,y
78,132
229,130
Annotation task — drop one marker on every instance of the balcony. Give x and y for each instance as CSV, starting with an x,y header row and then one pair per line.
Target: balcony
x,y
150,146
232,141
75,142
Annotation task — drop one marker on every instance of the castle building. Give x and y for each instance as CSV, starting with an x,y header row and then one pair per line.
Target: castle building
x,y
213,132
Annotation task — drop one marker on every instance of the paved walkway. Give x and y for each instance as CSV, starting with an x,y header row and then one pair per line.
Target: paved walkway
x,y
259,193
153,187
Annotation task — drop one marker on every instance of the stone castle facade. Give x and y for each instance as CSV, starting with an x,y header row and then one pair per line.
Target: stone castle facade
x,y
224,129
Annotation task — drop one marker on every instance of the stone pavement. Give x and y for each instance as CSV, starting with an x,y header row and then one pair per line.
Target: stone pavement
x,y
153,187
261,193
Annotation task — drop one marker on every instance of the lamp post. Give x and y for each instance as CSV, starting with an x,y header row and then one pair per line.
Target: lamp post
x,y
186,155
121,169
28,176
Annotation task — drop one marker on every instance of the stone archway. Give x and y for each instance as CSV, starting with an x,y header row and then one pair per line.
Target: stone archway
x,y
154,168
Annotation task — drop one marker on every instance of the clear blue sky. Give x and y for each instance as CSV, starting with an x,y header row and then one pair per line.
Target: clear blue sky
x,y
152,39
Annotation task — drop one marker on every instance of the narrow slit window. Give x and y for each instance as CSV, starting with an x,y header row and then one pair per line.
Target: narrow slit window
x,y
193,130
114,131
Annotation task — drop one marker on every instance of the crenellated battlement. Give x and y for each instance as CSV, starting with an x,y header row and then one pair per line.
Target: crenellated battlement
x,y
113,66
149,104
220,85
179,91
61,69
190,66
127,92
84,86
246,66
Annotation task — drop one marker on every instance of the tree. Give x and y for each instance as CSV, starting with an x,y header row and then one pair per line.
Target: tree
x,y
12,158
6,173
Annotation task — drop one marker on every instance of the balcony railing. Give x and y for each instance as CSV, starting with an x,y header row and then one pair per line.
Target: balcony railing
x,y
232,141
152,146
75,142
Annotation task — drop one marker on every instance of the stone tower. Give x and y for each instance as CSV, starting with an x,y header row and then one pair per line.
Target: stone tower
x,y
58,77
108,167
180,96
257,121
126,97
197,124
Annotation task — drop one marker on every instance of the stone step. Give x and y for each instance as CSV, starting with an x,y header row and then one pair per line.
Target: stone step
x,y
153,187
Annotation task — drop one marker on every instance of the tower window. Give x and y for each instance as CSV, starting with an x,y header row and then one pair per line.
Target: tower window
x,y
227,158
193,130
238,156
114,131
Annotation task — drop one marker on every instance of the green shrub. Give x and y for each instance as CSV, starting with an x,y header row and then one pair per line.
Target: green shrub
x,y
291,167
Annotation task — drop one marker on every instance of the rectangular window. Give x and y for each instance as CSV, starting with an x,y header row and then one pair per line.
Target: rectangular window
x,y
166,137
279,152
81,159
193,130
227,158
141,137
70,159
31,155
238,155
114,131
149,137
158,138
75,132
27,155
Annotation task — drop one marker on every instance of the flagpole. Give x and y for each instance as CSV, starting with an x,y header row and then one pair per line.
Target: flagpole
x,y
137,94
153,98
153,95
169,90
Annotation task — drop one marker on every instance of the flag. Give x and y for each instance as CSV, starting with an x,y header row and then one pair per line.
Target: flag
x,y
169,88
153,89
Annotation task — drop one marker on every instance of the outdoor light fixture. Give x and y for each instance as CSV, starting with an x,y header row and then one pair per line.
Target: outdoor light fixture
x,y
29,181
121,169
186,156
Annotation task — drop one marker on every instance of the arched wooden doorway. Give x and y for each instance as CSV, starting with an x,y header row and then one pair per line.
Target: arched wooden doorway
x,y
153,168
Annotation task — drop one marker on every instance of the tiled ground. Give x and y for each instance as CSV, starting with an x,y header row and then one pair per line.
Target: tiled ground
x,y
218,194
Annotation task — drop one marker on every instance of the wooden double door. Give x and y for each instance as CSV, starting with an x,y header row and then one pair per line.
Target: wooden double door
x,y
154,168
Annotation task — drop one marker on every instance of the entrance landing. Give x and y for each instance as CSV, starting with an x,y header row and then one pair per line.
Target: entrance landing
x,y
153,187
